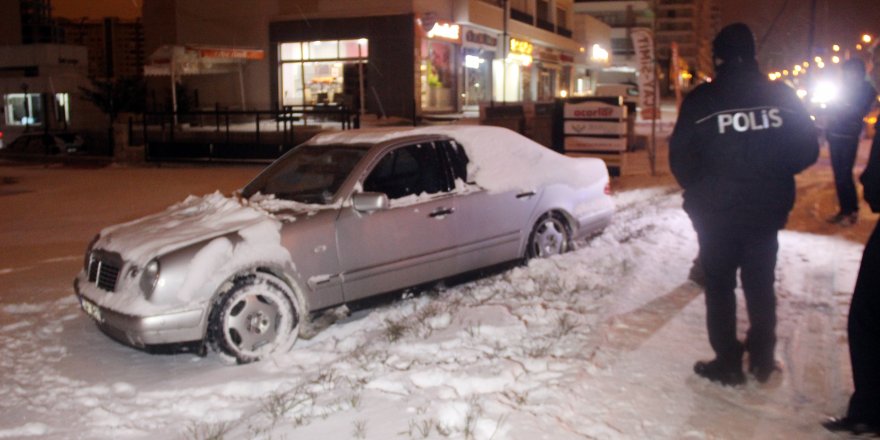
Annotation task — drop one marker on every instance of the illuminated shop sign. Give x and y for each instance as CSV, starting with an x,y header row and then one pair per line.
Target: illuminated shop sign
x,y
521,47
480,38
448,31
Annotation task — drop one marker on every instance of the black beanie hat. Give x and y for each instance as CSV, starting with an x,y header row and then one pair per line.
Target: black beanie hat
x,y
734,41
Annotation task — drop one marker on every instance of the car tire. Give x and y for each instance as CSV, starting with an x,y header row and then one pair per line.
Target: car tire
x,y
550,236
256,317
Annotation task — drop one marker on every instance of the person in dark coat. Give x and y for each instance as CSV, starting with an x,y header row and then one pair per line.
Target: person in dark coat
x,y
735,149
844,130
863,326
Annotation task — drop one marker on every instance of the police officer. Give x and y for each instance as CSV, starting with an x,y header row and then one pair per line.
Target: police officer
x,y
738,142
863,328
844,129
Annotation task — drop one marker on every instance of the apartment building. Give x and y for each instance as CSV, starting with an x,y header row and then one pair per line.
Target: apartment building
x,y
115,46
691,25
40,77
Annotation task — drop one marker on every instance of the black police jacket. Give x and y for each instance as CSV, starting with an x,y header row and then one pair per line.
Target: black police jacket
x,y
871,176
737,145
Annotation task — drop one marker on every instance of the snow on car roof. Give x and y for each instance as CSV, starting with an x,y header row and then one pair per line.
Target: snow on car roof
x,y
501,159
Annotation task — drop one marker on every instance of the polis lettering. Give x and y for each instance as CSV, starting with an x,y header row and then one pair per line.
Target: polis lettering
x,y
754,120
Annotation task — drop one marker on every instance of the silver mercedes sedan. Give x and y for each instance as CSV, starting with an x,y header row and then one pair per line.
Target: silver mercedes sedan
x,y
342,217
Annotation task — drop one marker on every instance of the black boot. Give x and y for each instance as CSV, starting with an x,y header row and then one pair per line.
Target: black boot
x,y
729,374
848,424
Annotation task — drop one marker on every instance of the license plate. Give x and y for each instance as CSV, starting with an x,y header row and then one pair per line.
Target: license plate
x,y
92,310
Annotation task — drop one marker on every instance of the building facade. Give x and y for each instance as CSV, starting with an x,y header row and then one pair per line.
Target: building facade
x,y
400,58
40,77
115,46
622,17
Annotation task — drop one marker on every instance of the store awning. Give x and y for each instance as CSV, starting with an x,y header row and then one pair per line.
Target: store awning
x,y
177,61
198,60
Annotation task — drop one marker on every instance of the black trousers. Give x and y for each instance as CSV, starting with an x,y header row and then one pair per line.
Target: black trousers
x,y
843,157
864,336
724,249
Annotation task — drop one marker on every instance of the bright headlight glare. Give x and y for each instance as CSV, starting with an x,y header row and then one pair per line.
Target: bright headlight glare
x,y
150,277
824,93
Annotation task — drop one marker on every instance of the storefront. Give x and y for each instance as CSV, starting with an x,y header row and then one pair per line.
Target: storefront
x,y
322,72
363,63
438,66
478,52
513,76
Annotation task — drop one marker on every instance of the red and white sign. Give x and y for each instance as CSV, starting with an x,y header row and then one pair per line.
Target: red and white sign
x,y
594,128
643,40
576,144
594,110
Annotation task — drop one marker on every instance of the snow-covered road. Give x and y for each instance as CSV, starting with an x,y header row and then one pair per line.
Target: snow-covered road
x,y
597,343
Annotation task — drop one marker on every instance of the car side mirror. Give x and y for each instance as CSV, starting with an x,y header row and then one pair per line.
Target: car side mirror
x,y
370,201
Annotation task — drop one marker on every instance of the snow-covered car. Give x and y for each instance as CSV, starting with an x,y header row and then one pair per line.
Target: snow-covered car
x,y
339,218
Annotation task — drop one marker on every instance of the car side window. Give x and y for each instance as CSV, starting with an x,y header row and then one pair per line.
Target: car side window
x,y
410,170
457,159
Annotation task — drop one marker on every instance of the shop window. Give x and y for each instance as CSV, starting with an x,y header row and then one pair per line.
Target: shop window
x,y
321,72
353,48
62,108
291,51
438,75
23,109
323,50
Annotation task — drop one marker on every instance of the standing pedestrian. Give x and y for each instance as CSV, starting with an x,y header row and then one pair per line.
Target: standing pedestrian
x,y
738,142
863,326
844,130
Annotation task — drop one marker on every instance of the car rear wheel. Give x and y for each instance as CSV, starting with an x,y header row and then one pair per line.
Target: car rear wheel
x,y
256,317
549,237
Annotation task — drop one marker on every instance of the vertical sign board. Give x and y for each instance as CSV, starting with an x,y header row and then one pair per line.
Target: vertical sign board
x,y
643,40
593,125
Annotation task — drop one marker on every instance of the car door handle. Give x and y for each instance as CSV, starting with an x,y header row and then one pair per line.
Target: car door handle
x,y
440,212
526,194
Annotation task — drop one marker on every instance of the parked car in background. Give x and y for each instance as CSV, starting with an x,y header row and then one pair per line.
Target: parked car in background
x,y
42,143
629,92
343,217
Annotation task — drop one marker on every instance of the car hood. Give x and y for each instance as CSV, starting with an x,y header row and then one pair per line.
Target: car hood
x,y
194,220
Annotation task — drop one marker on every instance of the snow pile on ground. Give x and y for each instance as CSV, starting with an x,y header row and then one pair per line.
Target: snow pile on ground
x,y
596,343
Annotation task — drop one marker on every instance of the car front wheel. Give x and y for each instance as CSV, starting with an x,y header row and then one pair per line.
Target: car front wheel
x,y
549,237
256,317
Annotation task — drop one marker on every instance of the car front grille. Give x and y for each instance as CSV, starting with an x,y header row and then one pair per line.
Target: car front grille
x,y
104,268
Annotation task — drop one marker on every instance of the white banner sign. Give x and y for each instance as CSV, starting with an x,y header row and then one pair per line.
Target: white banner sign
x,y
594,128
594,110
643,40
585,143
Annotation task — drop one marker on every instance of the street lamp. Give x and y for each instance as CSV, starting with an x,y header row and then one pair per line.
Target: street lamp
x,y
866,38
836,48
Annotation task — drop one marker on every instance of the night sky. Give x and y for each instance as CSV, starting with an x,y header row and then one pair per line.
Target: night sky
x,y
837,22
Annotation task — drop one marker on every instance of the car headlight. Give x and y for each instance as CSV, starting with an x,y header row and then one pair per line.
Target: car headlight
x,y
88,257
150,277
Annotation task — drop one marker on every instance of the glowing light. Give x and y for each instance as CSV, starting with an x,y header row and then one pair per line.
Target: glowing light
x,y
824,92
817,59
563,94
806,64
598,53
835,59
445,30
867,39
473,62
785,73
858,47
801,93
521,47
835,48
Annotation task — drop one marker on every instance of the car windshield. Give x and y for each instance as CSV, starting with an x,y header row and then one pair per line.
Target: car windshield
x,y
308,174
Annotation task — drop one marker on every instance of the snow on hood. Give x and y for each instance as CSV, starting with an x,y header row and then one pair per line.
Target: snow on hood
x,y
500,159
193,220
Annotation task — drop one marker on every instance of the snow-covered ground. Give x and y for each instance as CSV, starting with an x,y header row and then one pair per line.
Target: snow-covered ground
x,y
596,343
